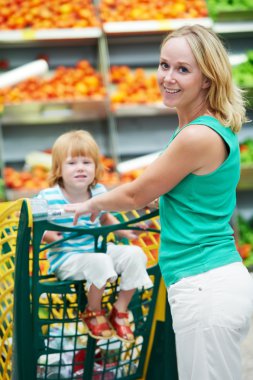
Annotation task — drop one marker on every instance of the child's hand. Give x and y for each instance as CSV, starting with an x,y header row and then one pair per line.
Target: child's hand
x,y
127,234
132,234
154,204
51,236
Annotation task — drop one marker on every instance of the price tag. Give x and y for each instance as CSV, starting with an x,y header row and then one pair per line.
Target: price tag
x,y
164,25
29,34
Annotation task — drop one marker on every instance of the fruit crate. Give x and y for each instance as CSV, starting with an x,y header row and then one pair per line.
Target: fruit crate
x,y
49,339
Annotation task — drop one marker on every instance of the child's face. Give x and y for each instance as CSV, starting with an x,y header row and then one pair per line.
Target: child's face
x,y
78,172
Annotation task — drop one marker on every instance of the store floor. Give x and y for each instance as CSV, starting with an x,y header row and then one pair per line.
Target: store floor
x,y
247,355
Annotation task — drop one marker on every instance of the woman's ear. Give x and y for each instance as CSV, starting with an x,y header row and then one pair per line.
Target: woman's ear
x,y
206,83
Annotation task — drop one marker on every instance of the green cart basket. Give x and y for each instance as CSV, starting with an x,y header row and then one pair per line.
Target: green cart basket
x,y
8,236
41,334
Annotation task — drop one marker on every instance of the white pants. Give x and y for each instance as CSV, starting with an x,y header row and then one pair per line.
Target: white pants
x,y
211,315
97,268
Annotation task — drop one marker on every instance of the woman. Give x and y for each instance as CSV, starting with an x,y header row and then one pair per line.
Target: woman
x,y
209,290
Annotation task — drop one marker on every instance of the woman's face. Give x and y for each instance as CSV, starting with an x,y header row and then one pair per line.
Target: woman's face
x,y
182,84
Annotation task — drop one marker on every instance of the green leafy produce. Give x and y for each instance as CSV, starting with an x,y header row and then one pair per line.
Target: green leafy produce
x,y
243,73
246,152
2,190
217,7
245,242
245,229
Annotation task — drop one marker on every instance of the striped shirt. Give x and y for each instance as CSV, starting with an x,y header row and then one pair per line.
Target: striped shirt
x,y
59,253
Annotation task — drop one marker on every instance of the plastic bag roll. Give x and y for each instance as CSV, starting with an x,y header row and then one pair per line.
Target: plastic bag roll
x,y
12,77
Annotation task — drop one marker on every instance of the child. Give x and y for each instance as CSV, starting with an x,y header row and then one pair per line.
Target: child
x,y
76,170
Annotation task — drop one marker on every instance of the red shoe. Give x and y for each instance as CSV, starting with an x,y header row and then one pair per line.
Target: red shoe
x,y
123,330
101,329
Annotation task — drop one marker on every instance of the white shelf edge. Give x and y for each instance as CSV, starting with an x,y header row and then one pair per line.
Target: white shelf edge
x,y
25,35
236,59
149,109
152,25
233,27
69,33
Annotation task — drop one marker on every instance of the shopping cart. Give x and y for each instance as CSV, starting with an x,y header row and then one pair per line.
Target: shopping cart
x,y
47,340
50,341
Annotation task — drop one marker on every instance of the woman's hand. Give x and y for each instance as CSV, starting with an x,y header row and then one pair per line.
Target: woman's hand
x,y
82,208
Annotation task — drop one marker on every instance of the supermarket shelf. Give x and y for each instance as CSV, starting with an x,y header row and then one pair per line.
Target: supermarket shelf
x,y
54,112
157,26
31,35
233,27
121,28
246,180
135,110
145,27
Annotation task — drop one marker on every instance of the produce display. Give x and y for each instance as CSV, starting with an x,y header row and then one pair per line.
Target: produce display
x,y
125,10
82,82
243,73
47,14
66,83
226,8
35,178
246,151
133,86
245,240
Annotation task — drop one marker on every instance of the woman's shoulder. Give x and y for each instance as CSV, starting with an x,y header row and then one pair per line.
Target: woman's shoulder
x,y
213,123
208,120
196,141
196,133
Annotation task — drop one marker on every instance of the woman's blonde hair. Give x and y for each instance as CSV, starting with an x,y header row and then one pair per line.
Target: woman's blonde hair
x,y
74,143
224,98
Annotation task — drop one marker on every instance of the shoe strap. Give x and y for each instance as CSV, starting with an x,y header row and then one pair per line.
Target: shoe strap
x,y
93,313
119,314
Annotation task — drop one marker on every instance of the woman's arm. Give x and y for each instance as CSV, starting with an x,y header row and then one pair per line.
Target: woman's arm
x,y
193,150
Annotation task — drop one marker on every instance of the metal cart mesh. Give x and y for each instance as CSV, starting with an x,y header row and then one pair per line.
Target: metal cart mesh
x,y
50,341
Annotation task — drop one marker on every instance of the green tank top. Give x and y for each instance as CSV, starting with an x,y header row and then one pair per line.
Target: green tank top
x,y
195,215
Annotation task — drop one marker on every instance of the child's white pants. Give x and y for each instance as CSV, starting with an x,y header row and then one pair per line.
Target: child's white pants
x,y
97,268
211,315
